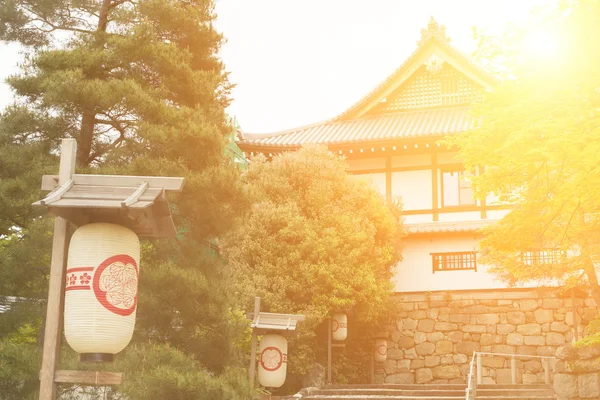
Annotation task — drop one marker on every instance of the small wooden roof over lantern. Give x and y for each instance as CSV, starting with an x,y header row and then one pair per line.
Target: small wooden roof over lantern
x,y
281,324
136,202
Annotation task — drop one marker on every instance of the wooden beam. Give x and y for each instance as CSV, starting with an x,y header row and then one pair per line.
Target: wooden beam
x,y
135,196
58,193
161,182
60,241
92,378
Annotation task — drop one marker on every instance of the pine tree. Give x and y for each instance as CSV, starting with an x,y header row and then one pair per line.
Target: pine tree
x,y
139,85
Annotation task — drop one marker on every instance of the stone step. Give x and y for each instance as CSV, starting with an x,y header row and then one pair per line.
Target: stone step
x,y
378,397
441,386
514,392
508,397
392,392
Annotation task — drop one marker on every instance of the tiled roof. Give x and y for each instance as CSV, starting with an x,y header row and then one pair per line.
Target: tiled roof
x,y
442,227
402,125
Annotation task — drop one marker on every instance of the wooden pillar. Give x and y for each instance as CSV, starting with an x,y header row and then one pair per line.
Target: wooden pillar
x,y
54,310
546,370
252,373
329,380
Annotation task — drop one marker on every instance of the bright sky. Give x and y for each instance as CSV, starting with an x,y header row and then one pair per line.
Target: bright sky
x,y
297,62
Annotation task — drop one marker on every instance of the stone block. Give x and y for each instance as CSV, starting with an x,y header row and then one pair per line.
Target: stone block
x,y
406,306
435,337
439,382
446,372
467,347
403,366
474,328
389,366
444,326
379,379
410,354
532,366
487,339
455,336
399,325
423,375
417,315
567,352
504,376
589,386
503,329
588,352
476,337
527,305
455,381
546,351
555,339
492,362
559,327
530,379
422,305
559,316
460,358
416,364
396,335
420,337
425,349
488,380
552,303
426,325
503,348
405,342
535,340
529,350
542,316
402,378
459,318
394,354
590,302
487,319
565,386
409,324
446,360
433,313
432,361
515,317
546,327
514,339
529,329
444,347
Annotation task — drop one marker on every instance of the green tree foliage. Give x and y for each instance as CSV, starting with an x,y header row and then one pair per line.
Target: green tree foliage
x,y
138,84
316,242
538,137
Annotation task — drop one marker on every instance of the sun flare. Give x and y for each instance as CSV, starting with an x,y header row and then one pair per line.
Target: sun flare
x,y
542,43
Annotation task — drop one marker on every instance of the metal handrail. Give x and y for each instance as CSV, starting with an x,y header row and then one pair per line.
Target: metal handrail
x,y
474,377
471,390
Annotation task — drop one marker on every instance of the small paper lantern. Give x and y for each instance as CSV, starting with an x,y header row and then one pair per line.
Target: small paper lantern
x,y
381,350
339,326
272,361
101,290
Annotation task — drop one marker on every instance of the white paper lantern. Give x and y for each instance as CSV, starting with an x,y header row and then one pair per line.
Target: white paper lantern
x,y
381,350
339,326
101,290
272,361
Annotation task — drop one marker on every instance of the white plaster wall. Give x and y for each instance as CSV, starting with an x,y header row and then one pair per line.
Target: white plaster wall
x,y
414,273
460,216
415,189
417,218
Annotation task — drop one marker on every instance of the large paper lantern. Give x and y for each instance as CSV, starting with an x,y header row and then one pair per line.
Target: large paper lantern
x,y
381,350
101,290
339,326
272,362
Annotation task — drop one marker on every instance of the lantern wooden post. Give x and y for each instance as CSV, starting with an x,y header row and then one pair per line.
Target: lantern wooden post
x,y
60,241
138,203
252,374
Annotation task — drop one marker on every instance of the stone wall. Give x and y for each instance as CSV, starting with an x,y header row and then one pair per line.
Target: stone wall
x,y
577,373
435,334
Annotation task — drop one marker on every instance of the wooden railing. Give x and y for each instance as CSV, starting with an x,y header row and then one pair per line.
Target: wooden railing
x,y
475,376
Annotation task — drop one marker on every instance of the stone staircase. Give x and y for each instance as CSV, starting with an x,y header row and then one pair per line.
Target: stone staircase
x,y
431,392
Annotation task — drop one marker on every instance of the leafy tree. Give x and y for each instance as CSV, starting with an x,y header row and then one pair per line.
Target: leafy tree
x,y
138,84
316,242
538,136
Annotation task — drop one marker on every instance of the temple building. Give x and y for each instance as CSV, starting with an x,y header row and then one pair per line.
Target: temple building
x,y
390,137
450,304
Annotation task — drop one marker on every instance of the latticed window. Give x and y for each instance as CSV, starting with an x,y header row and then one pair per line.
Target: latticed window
x,y
456,261
426,89
543,257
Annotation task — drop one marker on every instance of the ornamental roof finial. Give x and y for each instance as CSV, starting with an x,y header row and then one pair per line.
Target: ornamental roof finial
x,y
433,30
